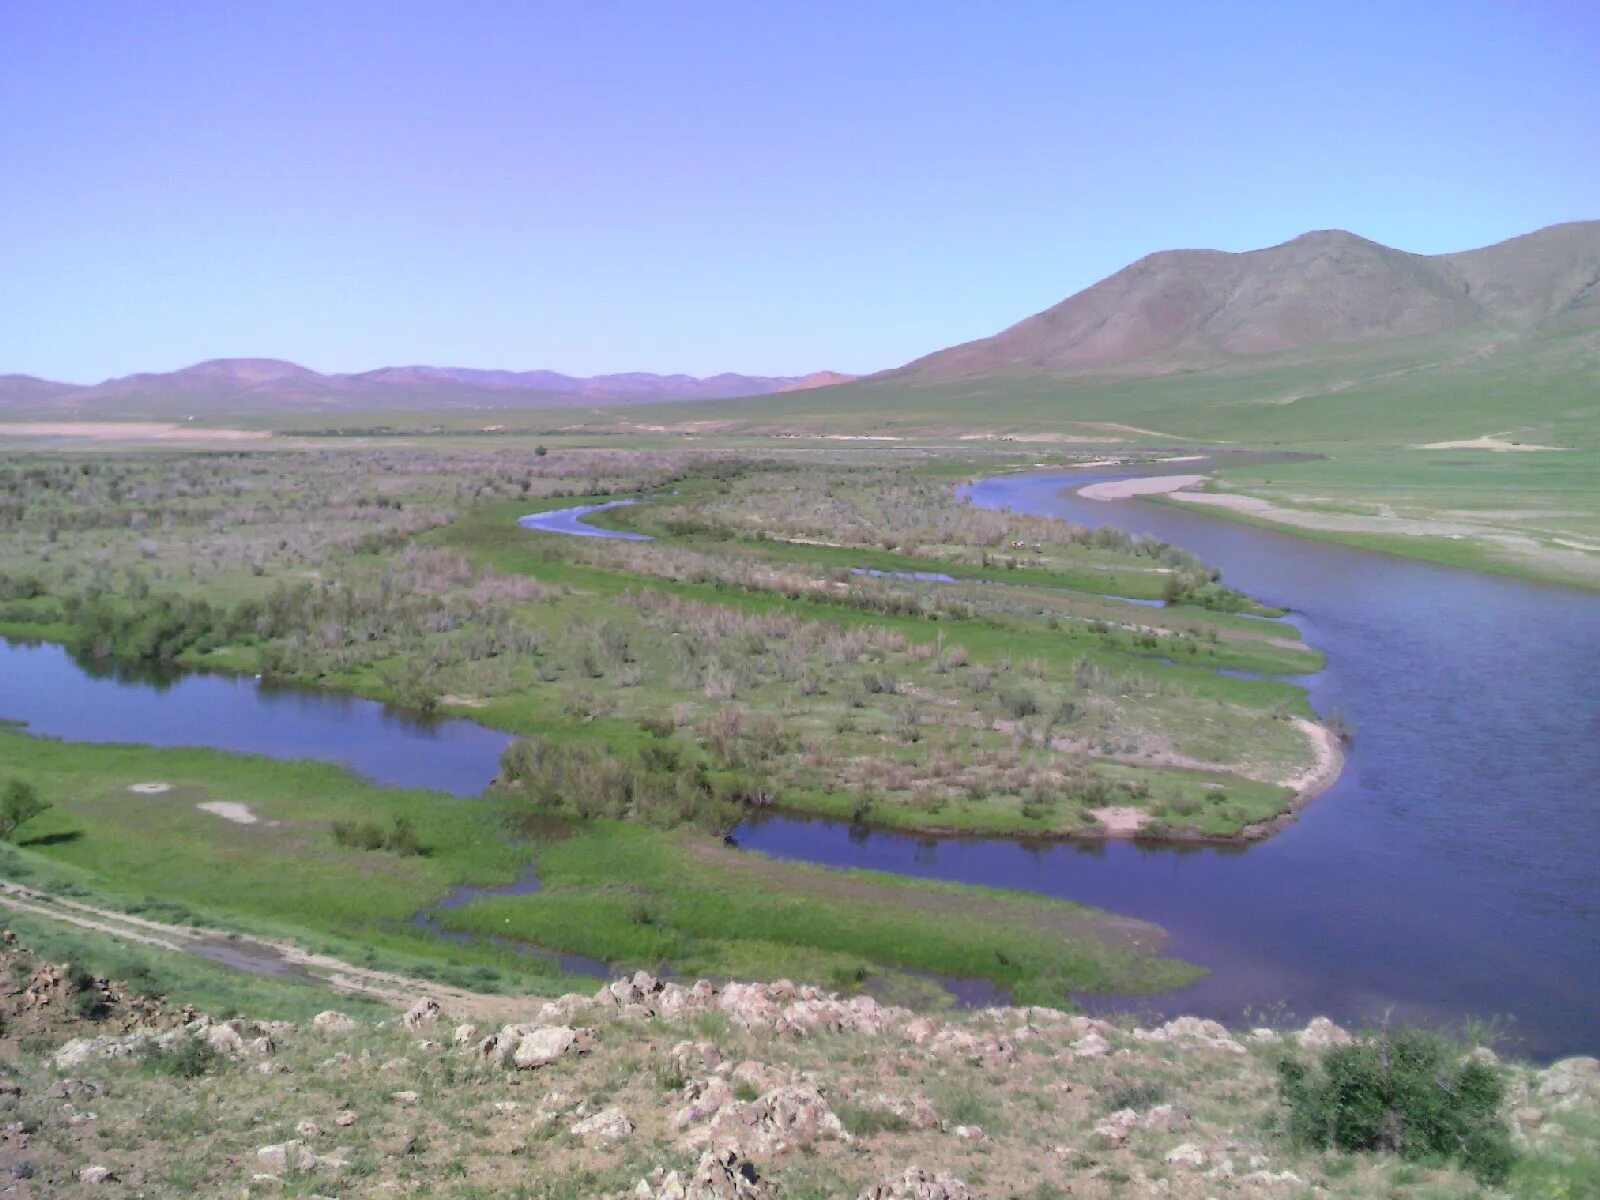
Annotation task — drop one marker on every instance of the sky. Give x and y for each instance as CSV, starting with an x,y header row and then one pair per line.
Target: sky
x,y
763,187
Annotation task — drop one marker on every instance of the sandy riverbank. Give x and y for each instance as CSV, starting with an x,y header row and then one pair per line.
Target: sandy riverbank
x,y
1152,485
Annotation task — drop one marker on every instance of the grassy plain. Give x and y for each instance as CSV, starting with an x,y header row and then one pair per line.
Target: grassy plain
x,y
736,659
1025,708
621,892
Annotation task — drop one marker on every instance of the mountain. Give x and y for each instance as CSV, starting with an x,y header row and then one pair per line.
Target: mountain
x,y
1189,309
257,385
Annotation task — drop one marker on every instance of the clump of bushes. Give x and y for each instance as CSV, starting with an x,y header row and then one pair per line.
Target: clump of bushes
x,y
1405,1091
657,785
398,838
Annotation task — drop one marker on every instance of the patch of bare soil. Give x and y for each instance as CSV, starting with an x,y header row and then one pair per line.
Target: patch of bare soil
x,y
125,431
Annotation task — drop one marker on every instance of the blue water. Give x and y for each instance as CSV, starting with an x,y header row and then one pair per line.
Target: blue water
x,y
44,686
1450,873
570,521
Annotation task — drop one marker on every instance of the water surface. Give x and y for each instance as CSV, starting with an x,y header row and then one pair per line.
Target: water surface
x,y
1452,872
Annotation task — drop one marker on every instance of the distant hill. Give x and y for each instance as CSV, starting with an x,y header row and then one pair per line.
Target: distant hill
x,y
1328,338
263,385
1188,309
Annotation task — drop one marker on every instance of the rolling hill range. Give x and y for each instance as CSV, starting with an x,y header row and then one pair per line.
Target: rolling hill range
x,y
1325,338
230,386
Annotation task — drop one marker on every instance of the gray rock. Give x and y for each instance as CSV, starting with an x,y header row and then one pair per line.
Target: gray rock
x,y
287,1156
607,1125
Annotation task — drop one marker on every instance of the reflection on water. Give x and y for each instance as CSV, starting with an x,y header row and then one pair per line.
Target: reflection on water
x,y
90,700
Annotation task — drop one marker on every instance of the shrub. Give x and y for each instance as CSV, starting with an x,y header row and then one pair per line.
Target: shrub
x,y
1405,1091
19,802
400,838
189,1058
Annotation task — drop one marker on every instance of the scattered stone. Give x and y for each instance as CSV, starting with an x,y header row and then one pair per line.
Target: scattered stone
x,y
1113,1131
406,1097
344,1118
722,1174
308,1129
464,1035
772,1124
916,1184
94,1175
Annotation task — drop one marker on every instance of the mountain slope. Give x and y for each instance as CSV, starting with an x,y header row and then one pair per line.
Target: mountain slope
x,y
1186,309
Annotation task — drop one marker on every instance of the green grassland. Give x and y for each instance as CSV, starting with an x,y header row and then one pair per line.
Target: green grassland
x,y
619,891
1019,708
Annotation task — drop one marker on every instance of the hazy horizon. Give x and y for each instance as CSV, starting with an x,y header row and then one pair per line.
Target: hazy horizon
x,y
720,189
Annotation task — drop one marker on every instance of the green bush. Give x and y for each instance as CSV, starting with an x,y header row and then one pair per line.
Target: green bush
x,y
1405,1091
189,1058
19,802
400,838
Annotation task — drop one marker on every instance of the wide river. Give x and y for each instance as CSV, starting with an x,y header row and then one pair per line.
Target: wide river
x,y
1453,872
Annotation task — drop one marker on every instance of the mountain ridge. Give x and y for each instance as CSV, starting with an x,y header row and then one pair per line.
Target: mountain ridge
x,y
242,384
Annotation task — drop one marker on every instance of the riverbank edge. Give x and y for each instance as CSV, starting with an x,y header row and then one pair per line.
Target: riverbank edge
x,y
1436,551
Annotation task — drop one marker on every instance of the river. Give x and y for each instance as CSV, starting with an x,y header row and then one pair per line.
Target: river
x,y
1450,874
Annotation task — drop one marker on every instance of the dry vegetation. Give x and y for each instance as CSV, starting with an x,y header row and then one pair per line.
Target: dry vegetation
x,y
696,1093
1031,706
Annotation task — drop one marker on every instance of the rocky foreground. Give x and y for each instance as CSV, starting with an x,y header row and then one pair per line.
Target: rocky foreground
x,y
663,1091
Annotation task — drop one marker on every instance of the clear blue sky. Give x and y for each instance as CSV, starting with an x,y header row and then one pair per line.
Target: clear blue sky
x,y
753,186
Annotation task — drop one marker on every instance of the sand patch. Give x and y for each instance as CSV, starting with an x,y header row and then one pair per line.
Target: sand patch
x,y
229,810
1120,821
150,789
1233,500
115,431
1320,775
1152,485
463,701
1489,441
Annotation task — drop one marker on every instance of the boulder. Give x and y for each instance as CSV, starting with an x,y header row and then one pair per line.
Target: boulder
x,y
334,1022
1186,1154
544,1046
424,1012
464,1035
1322,1033
607,1125
1569,1082
287,1156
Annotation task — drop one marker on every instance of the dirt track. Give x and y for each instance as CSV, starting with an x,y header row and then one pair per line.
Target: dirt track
x,y
261,956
